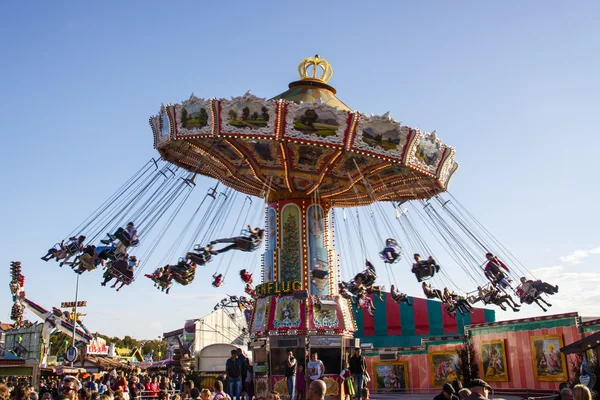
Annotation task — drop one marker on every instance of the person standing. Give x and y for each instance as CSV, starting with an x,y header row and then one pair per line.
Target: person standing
x,y
290,373
243,360
315,367
234,375
358,367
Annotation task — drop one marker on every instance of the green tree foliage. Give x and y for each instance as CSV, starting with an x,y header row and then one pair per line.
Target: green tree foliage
x,y
309,118
184,117
264,113
468,367
203,117
245,113
60,341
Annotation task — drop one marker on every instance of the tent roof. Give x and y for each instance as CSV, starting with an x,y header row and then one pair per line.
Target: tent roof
x,y
582,345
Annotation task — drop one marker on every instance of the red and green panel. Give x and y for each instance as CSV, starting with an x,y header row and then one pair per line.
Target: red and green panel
x,y
400,325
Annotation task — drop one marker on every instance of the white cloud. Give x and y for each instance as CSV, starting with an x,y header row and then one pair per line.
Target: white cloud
x,y
578,291
576,256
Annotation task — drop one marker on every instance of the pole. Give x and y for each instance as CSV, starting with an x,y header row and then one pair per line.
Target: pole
x,y
75,314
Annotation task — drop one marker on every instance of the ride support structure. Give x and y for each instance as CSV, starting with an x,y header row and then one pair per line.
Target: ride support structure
x,y
304,152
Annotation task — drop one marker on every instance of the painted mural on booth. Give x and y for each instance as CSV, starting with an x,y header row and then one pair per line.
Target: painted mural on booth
x,y
548,362
391,376
290,258
318,262
493,361
444,367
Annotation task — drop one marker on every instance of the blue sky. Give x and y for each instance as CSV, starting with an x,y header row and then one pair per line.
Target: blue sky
x,y
513,86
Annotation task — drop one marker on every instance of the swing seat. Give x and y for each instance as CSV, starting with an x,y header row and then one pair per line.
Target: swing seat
x,y
124,238
389,258
86,262
424,272
199,259
71,248
473,299
120,276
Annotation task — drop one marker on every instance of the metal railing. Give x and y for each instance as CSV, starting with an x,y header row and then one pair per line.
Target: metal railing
x,y
151,394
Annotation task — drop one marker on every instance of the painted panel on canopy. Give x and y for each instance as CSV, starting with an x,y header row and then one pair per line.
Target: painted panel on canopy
x,y
249,115
325,319
382,135
289,313
165,126
271,245
318,260
290,257
428,152
193,117
316,122
261,311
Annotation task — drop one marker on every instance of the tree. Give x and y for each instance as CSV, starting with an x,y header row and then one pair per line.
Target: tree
x,y
468,367
184,117
203,117
232,115
265,113
245,113
255,115
309,118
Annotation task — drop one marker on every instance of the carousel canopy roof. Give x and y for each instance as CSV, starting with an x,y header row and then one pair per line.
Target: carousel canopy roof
x,y
304,142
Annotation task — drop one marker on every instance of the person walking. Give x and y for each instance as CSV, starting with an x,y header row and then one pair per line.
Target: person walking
x,y
290,373
358,367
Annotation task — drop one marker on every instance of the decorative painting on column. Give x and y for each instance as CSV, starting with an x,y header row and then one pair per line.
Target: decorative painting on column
x,y
290,259
318,262
271,245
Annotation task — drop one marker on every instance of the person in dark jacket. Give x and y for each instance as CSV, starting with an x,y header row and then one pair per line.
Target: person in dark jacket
x,y
447,393
358,367
480,390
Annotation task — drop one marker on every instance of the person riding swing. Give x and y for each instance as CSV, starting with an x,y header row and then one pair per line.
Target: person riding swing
x,y
424,268
65,251
432,293
391,252
127,236
494,273
244,243
201,255
399,297
217,280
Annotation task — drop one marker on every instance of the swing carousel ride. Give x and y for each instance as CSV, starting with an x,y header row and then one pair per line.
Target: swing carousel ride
x,y
321,173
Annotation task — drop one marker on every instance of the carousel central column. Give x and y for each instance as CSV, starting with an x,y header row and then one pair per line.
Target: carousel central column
x,y
298,308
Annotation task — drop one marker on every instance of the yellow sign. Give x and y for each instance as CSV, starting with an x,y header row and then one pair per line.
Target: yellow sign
x,y
276,288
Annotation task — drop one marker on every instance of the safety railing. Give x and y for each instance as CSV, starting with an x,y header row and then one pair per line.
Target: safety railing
x,y
153,395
